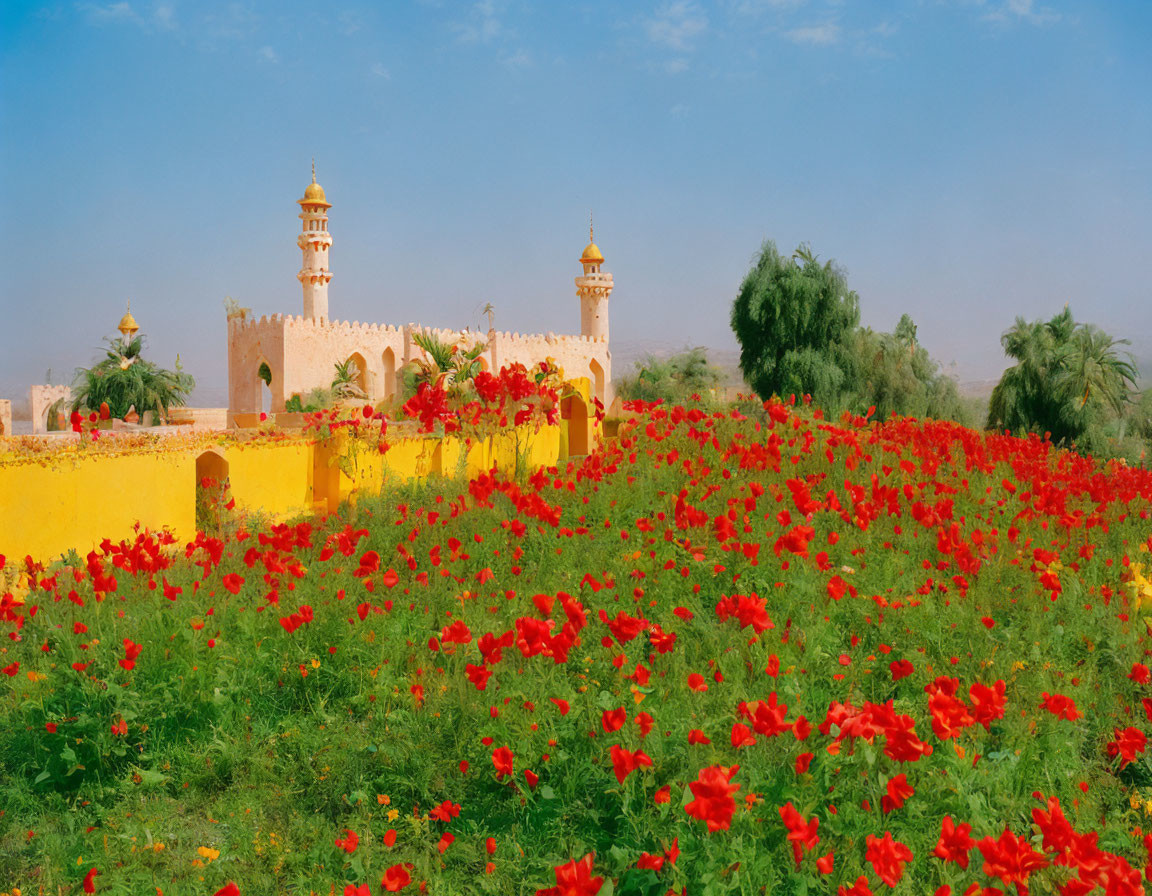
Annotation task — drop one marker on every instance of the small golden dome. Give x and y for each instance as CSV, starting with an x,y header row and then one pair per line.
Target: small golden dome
x,y
314,193
591,255
128,324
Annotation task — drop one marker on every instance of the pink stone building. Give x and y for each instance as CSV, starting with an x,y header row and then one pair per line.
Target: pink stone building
x,y
288,355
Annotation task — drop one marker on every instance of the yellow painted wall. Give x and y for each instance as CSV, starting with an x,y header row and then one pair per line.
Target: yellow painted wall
x,y
274,479
53,504
47,509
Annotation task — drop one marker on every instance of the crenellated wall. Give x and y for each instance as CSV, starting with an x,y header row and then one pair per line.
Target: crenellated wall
x,y
302,353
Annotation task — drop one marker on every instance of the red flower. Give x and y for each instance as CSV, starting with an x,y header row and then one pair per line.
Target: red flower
x,y
624,762
349,843
696,736
1060,706
801,834
1127,744
229,889
561,705
120,727
90,881
446,811
954,843
898,791
502,761
396,879
233,582
713,803
1011,859
696,682
663,795
574,879
887,856
900,669
613,719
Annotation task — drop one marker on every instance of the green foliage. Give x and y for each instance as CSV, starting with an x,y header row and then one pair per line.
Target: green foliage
x,y
345,384
798,327
895,375
792,318
1069,380
316,400
124,379
446,365
674,379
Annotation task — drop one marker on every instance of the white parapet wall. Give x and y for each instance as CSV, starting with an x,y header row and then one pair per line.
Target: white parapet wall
x,y
5,417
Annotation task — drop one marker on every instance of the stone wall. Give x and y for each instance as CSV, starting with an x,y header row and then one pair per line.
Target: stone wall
x,y
301,354
5,417
40,399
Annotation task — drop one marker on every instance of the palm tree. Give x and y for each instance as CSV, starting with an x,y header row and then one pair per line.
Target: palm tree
x,y
124,379
1066,378
490,310
1092,369
346,383
446,364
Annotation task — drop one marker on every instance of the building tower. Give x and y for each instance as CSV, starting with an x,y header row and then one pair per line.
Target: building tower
x,y
593,288
315,242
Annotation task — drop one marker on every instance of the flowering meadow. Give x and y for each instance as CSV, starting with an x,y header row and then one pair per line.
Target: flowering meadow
x,y
742,651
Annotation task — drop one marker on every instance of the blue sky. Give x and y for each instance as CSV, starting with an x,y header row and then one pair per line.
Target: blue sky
x,y
963,161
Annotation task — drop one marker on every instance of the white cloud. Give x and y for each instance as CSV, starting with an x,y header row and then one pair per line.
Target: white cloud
x,y
519,59
164,16
482,25
161,18
675,24
815,35
268,54
759,7
380,71
112,12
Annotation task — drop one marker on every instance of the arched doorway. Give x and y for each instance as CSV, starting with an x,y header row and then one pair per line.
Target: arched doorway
x,y
574,410
352,378
388,367
264,377
213,494
597,379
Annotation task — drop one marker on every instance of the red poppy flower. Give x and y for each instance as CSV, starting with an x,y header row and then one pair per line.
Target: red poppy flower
x,y
713,803
229,889
233,582
90,881
396,879
574,879
887,857
613,719
955,842
349,843
897,792
1011,859
502,761
624,762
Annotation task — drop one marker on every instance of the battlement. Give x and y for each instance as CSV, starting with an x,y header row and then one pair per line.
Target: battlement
x,y
548,339
287,322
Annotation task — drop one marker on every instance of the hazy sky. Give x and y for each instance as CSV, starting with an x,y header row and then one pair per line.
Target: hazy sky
x,y
964,161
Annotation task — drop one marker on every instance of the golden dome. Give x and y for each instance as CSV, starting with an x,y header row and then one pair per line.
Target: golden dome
x,y
314,193
128,324
591,255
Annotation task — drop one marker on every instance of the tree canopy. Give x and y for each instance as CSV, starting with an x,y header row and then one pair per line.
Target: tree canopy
x,y
792,317
674,379
1069,380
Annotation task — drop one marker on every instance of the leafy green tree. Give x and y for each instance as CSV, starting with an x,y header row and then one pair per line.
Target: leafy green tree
x,y
674,379
1069,380
124,380
893,374
792,317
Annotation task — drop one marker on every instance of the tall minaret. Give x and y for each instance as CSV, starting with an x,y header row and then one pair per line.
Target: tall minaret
x,y
315,242
593,289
